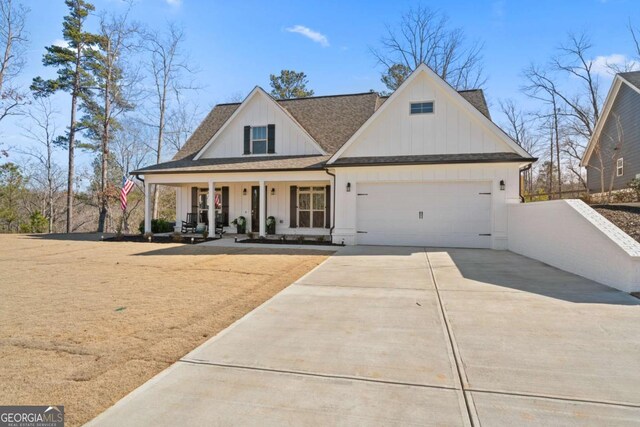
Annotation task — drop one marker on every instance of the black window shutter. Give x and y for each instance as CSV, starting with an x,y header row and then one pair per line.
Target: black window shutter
x,y
194,199
327,205
271,139
293,206
225,206
247,140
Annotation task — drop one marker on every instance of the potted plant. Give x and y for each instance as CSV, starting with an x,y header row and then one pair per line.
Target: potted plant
x,y
271,225
241,224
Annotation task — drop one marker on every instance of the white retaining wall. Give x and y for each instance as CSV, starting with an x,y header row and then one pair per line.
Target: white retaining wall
x,y
570,235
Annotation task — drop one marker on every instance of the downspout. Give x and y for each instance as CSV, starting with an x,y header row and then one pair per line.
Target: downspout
x,y
526,168
333,204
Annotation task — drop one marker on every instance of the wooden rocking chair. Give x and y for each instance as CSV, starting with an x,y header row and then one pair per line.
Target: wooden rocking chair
x,y
190,224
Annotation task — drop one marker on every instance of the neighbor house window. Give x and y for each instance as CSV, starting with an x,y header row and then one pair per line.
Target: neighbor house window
x,y
259,140
620,167
311,207
421,107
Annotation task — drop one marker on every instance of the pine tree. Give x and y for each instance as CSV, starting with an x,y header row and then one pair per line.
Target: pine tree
x,y
111,99
289,84
74,76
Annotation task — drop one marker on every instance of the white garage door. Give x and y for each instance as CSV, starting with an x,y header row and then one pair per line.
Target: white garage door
x,y
443,214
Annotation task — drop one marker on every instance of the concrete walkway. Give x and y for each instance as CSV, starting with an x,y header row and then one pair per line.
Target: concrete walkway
x,y
412,336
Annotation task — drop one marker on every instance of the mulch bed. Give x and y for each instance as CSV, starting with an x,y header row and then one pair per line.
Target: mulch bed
x,y
625,217
288,242
157,239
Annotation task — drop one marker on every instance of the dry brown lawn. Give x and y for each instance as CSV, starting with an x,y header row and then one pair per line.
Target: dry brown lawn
x,y
82,323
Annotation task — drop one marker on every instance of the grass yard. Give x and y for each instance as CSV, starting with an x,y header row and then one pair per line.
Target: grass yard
x,y
82,323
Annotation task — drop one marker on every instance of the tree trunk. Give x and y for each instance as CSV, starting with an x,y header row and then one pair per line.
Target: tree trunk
x,y
156,188
72,139
557,137
104,200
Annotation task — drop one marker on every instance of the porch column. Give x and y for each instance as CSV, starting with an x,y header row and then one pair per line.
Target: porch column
x,y
212,209
262,216
147,207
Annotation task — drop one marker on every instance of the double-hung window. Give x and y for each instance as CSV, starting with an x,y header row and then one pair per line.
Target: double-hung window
x,y
259,140
620,167
311,207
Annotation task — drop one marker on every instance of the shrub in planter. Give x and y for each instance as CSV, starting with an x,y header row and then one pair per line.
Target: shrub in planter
x,y
271,225
205,234
241,224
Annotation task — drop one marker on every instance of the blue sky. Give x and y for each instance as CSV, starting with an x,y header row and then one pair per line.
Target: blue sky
x,y
237,44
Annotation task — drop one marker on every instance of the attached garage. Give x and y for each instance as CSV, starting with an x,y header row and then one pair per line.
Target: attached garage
x,y
434,214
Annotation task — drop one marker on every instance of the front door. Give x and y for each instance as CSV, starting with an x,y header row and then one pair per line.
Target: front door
x,y
255,209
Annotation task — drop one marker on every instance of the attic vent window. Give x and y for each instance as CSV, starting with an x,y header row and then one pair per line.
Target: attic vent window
x,y
421,107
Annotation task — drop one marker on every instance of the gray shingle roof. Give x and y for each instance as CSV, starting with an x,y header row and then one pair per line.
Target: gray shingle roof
x,y
433,159
330,120
632,77
239,164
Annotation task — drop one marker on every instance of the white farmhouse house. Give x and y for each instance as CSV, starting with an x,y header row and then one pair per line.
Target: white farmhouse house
x,y
425,166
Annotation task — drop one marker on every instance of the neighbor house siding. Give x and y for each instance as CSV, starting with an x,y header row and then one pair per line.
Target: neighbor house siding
x,y
626,111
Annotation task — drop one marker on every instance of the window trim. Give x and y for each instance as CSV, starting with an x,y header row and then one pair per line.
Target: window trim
x,y
412,103
266,140
311,209
620,166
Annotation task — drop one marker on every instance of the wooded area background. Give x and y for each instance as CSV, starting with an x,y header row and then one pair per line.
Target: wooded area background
x,y
127,88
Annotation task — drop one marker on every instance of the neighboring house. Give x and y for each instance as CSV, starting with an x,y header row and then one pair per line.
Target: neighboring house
x,y
612,157
425,166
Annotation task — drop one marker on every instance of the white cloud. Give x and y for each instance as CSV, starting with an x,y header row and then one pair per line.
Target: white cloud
x,y
310,34
175,3
605,65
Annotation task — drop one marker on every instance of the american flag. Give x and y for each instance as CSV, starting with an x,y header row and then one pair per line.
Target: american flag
x,y
127,186
216,201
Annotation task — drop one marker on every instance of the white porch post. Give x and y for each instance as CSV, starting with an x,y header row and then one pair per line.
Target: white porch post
x,y
212,209
262,216
147,207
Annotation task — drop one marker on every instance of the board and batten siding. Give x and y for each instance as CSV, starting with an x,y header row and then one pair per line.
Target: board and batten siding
x,y
346,203
626,107
261,111
450,129
278,204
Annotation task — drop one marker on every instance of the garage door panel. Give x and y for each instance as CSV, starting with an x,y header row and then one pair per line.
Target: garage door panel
x,y
454,214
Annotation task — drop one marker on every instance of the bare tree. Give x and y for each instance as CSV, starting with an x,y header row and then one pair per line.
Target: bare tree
x,y
130,152
116,86
169,67
13,42
181,122
519,127
541,86
41,129
425,36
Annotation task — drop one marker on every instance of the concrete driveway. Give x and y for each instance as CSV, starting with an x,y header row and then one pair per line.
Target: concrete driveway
x,y
412,336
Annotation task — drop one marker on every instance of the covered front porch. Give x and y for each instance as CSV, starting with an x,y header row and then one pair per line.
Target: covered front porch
x,y
291,203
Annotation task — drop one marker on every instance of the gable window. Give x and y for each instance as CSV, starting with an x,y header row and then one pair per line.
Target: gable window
x,y
421,107
259,140
311,207
620,167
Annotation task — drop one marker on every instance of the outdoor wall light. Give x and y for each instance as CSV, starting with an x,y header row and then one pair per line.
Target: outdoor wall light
x,y
273,191
244,191
348,187
192,240
502,185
